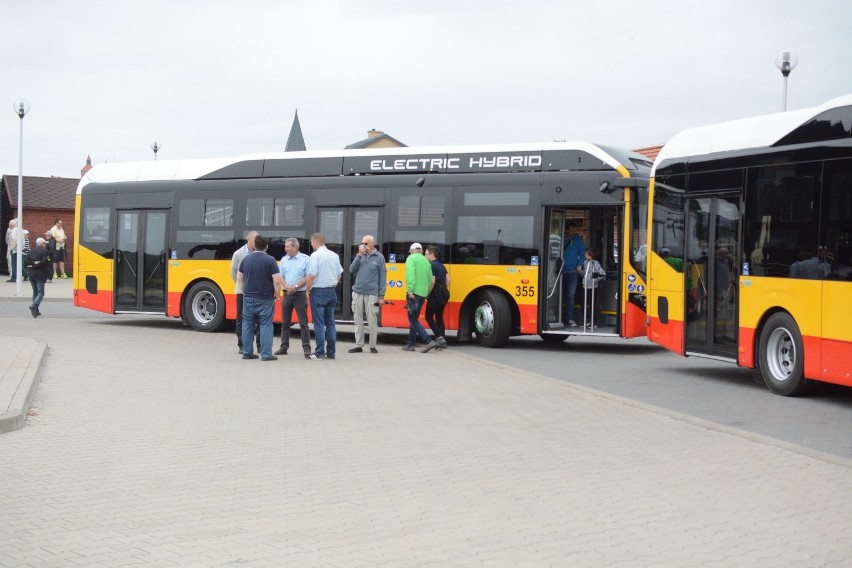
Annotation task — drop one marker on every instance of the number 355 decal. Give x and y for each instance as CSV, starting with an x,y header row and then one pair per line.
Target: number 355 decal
x,y
526,291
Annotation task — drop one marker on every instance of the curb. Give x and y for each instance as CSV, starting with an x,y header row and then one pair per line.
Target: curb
x,y
31,363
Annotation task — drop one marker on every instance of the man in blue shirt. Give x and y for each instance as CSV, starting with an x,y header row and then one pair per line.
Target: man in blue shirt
x,y
261,283
294,269
573,257
323,275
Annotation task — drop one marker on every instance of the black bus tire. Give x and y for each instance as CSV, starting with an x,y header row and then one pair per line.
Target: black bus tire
x,y
781,356
492,319
204,307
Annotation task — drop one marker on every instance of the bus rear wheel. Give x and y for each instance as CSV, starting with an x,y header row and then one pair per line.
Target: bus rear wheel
x,y
781,356
204,307
492,319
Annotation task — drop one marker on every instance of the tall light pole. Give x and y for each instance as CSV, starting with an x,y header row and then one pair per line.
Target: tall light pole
x,y
786,62
155,146
21,108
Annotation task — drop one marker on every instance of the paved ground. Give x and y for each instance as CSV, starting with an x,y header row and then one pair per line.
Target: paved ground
x,y
150,445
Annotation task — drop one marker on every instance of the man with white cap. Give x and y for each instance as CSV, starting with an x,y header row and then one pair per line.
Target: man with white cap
x,y
40,265
418,283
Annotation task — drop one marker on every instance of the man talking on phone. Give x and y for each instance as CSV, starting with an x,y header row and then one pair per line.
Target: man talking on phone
x,y
368,293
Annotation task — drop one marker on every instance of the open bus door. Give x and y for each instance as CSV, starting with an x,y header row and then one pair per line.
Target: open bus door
x,y
600,228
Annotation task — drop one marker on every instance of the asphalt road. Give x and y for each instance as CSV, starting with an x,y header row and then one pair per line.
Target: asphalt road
x,y
711,390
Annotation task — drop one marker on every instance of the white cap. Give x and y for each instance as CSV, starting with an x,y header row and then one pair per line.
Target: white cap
x,y
26,231
40,241
415,246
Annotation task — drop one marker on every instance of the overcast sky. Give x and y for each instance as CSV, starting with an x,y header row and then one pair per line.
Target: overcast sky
x,y
223,78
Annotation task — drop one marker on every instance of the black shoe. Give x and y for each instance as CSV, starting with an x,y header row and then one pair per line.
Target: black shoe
x,y
33,311
356,350
330,357
38,312
373,350
408,348
10,280
281,351
252,356
270,358
26,279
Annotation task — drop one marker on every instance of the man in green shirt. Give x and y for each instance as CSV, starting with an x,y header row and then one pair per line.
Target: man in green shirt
x,y
418,283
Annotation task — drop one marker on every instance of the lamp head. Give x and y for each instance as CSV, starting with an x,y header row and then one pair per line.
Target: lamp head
x,y
786,61
21,108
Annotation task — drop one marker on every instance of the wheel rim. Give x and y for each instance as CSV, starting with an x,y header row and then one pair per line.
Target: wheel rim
x,y
204,307
483,319
781,354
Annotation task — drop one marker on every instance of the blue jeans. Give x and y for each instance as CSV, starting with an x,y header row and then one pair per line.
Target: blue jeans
x,y
569,283
257,312
38,291
415,328
322,310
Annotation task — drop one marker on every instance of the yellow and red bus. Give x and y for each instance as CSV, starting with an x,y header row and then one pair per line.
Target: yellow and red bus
x,y
750,245
157,237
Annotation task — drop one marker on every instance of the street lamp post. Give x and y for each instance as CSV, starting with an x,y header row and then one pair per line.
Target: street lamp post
x,y
786,62
155,146
21,108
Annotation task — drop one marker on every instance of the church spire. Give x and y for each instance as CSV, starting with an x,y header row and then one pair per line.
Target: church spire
x,y
295,141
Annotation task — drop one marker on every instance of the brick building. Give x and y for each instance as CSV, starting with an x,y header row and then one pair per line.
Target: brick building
x,y
46,199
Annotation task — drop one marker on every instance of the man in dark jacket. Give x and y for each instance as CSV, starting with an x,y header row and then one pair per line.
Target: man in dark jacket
x,y
39,265
51,250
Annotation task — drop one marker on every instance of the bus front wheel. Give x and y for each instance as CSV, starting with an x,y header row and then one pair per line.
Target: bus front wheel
x,y
204,307
492,319
781,356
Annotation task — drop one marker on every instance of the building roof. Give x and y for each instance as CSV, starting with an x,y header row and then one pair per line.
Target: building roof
x,y
370,141
42,192
295,141
649,152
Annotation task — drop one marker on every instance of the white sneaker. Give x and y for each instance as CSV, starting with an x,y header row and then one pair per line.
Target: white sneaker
x,y
572,323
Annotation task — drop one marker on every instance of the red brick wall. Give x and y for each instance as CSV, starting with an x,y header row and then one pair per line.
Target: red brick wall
x,y
37,221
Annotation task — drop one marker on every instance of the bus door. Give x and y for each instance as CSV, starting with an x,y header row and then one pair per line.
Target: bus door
x,y
551,270
713,259
140,261
599,227
344,227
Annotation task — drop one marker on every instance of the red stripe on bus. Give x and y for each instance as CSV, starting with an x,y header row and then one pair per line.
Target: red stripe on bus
x,y
101,301
835,362
668,335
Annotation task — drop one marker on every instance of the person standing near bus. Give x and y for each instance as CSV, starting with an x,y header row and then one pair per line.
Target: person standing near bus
x,y
418,282
59,259
39,263
593,273
50,246
294,269
324,273
368,293
437,300
12,247
261,283
236,260
9,256
573,257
